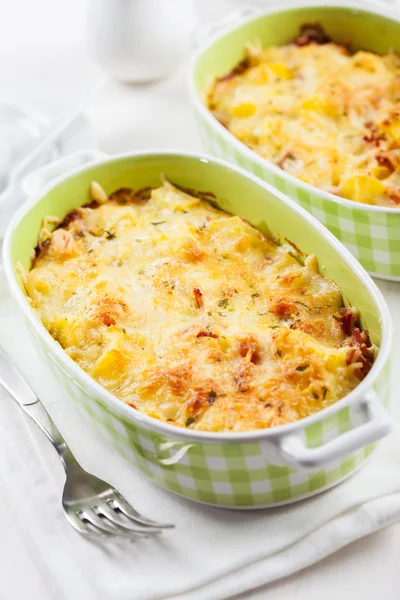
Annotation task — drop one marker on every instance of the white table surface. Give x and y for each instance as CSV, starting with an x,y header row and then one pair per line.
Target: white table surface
x,y
43,43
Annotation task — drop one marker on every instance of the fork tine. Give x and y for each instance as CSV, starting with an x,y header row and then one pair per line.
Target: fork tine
x,y
91,531
124,506
86,528
121,521
103,525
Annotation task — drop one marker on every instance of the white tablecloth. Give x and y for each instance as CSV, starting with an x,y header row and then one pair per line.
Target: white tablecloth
x,y
128,118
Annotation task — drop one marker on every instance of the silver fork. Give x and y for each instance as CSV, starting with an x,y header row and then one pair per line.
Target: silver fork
x,y
91,505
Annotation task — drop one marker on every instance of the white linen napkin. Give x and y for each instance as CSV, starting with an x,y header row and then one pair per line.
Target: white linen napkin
x,y
212,553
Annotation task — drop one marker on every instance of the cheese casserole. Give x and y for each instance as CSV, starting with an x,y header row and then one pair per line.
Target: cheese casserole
x,y
191,315
328,117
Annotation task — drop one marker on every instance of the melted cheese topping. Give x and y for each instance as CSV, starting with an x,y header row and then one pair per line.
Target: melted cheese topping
x,y
190,314
327,117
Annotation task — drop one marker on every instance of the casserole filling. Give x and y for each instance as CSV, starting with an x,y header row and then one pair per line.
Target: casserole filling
x,y
328,117
191,315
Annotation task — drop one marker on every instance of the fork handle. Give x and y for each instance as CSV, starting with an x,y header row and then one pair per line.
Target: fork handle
x,y
12,380
39,414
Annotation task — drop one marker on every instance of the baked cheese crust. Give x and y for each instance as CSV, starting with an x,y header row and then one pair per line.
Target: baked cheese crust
x,y
191,315
328,117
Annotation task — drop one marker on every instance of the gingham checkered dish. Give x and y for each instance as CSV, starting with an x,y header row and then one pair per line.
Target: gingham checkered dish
x,y
372,237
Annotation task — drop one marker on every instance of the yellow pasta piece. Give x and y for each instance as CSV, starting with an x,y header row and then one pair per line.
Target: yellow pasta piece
x,y
335,361
110,364
314,104
394,129
321,105
362,188
381,172
244,110
280,70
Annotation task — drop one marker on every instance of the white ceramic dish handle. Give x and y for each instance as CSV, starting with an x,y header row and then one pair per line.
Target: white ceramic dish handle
x,y
209,31
36,180
295,452
175,457
292,450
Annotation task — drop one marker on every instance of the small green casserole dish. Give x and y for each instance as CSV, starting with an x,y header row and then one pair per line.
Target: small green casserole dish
x,y
371,233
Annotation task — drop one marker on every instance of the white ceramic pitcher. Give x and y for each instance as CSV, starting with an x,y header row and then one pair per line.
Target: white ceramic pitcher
x,y
140,40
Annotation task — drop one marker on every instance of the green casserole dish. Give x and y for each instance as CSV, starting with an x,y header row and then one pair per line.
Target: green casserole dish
x,y
251,469
371,233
